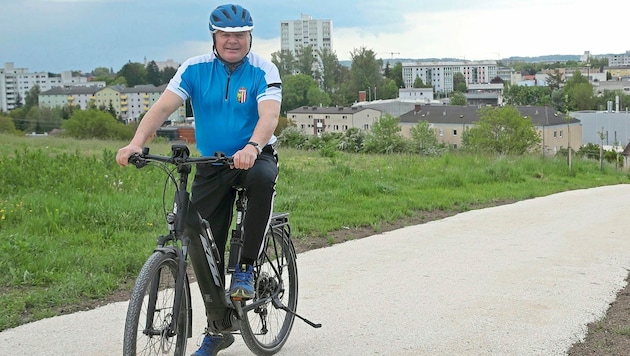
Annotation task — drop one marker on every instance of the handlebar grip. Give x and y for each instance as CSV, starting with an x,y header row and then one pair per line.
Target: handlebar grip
x,y
137,160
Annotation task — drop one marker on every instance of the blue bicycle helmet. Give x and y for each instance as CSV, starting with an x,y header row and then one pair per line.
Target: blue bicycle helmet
x,y
231,18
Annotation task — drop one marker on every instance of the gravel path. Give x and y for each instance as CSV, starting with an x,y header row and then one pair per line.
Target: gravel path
x,y
518,279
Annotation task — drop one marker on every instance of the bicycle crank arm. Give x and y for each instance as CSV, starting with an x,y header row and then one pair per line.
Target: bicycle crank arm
x,y
278,305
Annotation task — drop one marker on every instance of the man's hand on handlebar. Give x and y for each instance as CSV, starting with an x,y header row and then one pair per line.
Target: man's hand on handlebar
x,y
245,158
122,157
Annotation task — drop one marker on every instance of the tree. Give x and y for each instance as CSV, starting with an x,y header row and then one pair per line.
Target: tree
x,y
168,73
305,60
418,83
527,95
103,74
317,97
458,98
459,83
385,137
388,89
555,81
501,130
423,138
32,97
153,74
365,72
330,70
396,75
295,89
133,73
579,92
285,61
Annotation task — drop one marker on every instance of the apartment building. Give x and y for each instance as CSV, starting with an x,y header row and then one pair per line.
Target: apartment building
x,y
15,83
296,35
128,103
619,60
79,97
317,120
450,121
440,74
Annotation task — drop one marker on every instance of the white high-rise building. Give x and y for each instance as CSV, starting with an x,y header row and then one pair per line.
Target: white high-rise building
x,y
298,34
440,74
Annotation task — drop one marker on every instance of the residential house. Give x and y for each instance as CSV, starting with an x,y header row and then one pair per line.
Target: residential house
x,y
317,120
450,122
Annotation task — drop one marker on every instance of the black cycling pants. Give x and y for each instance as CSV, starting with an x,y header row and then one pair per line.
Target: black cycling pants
x,y
213,197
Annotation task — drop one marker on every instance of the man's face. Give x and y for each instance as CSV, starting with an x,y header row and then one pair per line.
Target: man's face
x,y
232,46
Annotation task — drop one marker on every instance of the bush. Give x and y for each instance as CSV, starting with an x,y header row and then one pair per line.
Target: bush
x,y
96,124
7,126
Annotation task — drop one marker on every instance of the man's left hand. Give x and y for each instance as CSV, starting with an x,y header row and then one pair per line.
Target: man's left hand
x,y
245,158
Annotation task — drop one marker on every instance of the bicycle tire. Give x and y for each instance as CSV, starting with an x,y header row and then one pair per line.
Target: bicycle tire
x,y
265,329
161,267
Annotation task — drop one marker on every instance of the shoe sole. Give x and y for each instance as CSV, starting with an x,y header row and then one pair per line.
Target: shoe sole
x,y
240,295
227,342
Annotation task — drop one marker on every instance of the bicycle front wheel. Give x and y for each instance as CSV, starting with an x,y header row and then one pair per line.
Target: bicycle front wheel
x,y
151,310
266,328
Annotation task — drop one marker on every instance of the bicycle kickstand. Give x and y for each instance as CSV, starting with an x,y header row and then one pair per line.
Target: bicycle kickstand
x,y
278,305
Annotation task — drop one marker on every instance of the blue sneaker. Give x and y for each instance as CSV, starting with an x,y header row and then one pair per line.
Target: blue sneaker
x,y
212,344
242,283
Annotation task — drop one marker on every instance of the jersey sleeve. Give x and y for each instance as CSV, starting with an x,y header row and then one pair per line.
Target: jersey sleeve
x,y
181,83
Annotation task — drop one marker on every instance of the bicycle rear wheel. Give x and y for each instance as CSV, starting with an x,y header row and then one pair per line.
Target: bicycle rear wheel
x,y
150,310
266,328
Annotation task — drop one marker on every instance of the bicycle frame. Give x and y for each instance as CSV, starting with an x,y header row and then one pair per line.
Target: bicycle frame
x,y
189,229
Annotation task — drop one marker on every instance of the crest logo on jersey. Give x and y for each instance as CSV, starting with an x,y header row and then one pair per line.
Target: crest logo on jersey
x,y
242,95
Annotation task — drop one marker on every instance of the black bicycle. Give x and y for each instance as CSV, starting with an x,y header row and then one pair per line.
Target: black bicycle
x,y
159,316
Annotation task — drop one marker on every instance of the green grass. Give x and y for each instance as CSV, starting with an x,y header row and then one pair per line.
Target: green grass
x,y
75,227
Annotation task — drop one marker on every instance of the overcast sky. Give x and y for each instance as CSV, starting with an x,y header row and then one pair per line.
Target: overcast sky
x,y
60,35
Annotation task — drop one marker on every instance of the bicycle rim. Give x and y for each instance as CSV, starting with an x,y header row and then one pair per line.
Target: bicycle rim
x,y
150,310
265,329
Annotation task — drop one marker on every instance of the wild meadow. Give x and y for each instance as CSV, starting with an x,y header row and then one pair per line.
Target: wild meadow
x,y
76,228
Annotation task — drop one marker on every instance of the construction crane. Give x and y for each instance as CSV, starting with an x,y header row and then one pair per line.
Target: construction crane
x,y
390,53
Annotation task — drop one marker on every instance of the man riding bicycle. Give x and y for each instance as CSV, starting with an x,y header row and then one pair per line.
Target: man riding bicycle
x,y
235,96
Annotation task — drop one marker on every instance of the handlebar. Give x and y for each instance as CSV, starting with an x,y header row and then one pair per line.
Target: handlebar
x,y
180,156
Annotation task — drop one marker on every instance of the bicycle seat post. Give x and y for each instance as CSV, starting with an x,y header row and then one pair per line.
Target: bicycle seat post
x,y
236,240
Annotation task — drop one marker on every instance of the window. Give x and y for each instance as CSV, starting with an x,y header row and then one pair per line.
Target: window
x,y
440,132
555,134
560,133
454,132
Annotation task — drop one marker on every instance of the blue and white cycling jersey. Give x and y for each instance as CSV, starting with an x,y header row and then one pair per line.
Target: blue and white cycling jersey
x,y
225,104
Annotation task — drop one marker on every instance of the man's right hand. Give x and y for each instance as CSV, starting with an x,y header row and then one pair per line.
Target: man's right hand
x,y
122,157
